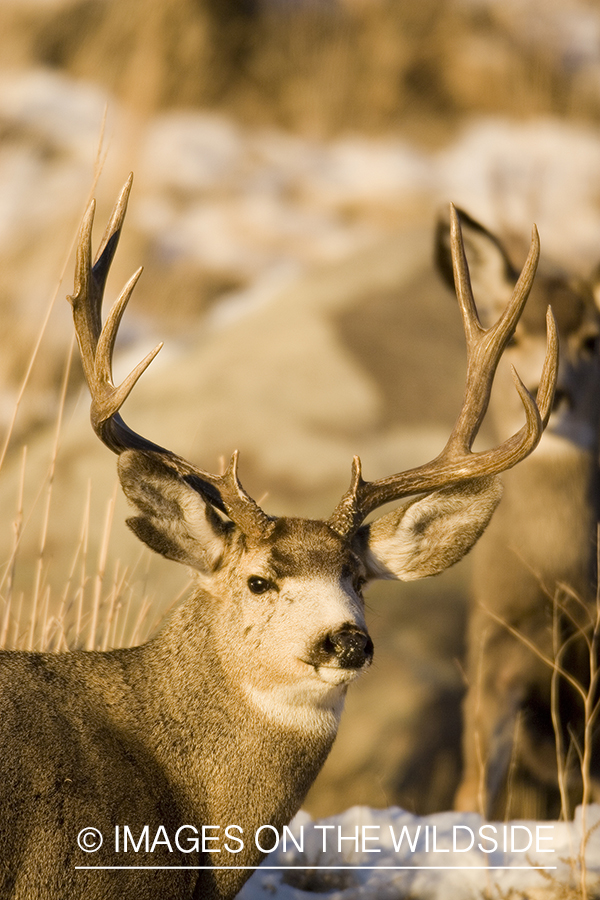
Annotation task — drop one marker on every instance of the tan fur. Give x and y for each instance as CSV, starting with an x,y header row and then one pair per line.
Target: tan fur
x,y
542,537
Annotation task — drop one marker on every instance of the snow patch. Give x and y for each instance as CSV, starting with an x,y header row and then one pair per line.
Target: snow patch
x,y
425,864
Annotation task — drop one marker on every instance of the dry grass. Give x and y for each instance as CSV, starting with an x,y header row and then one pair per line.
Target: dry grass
x,y
97,608
574,753
101,604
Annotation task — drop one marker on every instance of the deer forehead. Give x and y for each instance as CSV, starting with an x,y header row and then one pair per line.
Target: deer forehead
x,y
302,549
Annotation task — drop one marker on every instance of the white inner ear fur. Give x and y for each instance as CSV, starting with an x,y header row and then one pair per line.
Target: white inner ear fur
x,y
172,518
205,527
427,535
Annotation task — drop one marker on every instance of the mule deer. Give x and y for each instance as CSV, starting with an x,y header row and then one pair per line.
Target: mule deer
x,y
218,725
539,549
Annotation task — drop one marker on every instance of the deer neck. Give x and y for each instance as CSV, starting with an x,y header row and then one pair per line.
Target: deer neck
x,y
544,531
228,759
559,480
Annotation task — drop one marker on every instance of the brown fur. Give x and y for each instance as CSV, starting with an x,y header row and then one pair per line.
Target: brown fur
x,y
542,538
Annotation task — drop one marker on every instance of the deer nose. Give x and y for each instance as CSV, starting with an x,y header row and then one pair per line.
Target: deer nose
x,y
350,647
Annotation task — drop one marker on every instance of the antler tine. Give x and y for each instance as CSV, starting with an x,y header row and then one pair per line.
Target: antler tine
x,y
108,399
462,281
96,343
84,298
110,239
547,386
484,348
457,462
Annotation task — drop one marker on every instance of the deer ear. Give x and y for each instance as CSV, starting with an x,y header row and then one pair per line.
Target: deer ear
x,y
174,519
492,274
429,534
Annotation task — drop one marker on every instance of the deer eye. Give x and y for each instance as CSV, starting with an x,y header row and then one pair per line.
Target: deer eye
x,y
259,585
590,345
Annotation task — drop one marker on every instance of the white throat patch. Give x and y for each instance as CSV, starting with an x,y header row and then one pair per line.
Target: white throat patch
x,y
299,707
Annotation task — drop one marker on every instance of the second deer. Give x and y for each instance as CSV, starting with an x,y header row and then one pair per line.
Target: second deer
x,y
536,565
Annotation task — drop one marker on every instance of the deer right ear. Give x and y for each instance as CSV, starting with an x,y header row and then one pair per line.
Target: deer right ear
x,y
174,519
492,274
429,534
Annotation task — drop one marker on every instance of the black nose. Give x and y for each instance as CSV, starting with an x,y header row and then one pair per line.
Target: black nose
x,y
348,647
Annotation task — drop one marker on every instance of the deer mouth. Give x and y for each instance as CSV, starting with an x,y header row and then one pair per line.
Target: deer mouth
x,y
336,675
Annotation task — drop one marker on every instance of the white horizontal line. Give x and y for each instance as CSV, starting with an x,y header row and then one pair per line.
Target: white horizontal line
x,y
328,868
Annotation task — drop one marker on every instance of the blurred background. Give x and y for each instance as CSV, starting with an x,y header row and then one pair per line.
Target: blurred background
x,y
290,159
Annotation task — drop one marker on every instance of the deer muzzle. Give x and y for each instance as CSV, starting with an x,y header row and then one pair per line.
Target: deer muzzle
x,y
346,648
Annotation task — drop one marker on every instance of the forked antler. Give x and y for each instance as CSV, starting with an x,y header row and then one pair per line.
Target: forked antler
x,y
96,343
455,463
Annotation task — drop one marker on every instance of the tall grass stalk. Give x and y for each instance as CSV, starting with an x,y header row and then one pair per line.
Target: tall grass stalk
x,y
83,550
98,166
72,619
50,484
586,625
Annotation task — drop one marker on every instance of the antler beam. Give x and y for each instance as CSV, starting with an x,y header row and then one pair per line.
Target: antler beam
x,y
457,462
454,464
96,343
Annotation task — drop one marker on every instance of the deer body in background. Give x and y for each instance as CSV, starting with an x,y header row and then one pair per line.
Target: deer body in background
x,y
216,727
540,550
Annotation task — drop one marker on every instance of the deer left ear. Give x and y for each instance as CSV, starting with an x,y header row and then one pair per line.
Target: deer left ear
x,y
173,519
430,533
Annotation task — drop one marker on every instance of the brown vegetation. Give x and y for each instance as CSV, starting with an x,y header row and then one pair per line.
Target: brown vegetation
x,y
319,66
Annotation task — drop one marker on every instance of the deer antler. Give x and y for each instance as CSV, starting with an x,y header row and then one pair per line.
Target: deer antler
x,y
457,462
96,343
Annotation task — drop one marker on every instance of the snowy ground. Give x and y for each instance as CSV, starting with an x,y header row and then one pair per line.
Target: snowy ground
x,y
246,201
401,855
